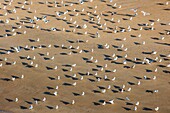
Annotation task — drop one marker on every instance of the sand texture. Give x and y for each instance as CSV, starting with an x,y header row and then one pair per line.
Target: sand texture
x,y
96,56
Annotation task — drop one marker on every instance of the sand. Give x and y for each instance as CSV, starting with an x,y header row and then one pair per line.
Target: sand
x,y
66,46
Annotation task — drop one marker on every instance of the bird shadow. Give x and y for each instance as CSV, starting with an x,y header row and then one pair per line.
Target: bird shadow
x,y
101,87
146,52
64,102
31,40
154,38
28,102
23,107
49,68
147,109
49,88
91,80
115,91
16,77
36,99
6,79
101,101
120,98
128,103
131,83
65,70
165,71
48,93
63,53
46,58
9,100
148,70
117,87
96,103
96,91
161,65
51,78
49,107
67,84
76,94
149,91
126,67
126,108
68,76
137,77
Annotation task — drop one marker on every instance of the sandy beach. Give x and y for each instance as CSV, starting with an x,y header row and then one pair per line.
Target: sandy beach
x,y
87,56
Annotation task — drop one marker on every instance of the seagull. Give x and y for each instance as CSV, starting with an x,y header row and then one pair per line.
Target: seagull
x,y
109,87
123,86
113,79
31,107
73,102
124,62
55,67
5,59
74,65
156,70
58,78
156,91
111,101
139,83
13,78
135,109
47,53
96,61
83,93
168,65
81,78
14,62
22,76
98,79
113,55
56,107
105,65
36,65
114,71
105,77
137,103
56,87
36,102
16,99
139,35
154,77
156,109
122,91
31,63
71,69
103,90
101,69
44,99
154,52
145,77
74,75
133,66
1,65
115,58
52,58
125,56
125,49
104,103
127,98
74,84
55,93
129,89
